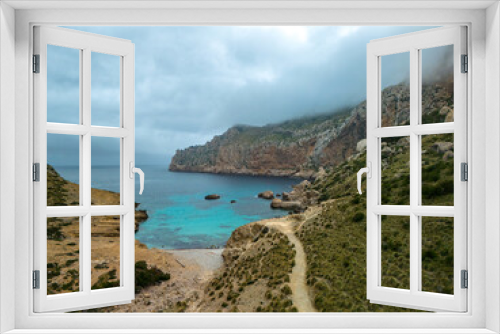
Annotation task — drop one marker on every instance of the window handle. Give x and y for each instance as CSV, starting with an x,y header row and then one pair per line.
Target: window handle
x,y
141,175
368,171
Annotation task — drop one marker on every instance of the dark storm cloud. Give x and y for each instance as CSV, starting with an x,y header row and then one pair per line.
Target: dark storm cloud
x,y
195,82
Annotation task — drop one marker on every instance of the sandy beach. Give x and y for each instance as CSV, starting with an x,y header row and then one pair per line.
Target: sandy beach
x,y
189,270
207,259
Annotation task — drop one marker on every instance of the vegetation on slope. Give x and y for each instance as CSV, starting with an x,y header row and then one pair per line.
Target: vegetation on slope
x,y
63,244
148,275
254,279
337,271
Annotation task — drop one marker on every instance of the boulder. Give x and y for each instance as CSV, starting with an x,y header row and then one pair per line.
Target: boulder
x,y
442,147
276,203
304,174
448,155
386,151
320,174
450,116
361,146
212,197
445,111
268,194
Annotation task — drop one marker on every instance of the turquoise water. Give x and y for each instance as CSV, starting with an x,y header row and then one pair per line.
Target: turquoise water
x,y
180,217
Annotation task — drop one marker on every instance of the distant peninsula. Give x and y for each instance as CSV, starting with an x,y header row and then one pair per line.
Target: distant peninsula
x,y
302,147
295,148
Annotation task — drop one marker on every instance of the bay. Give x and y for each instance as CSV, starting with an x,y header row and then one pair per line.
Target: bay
x,y
179,215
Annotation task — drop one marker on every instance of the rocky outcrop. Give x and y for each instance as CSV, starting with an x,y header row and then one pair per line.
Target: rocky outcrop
x,y
292,206
240,238
300,198
299,148
140,217
268,194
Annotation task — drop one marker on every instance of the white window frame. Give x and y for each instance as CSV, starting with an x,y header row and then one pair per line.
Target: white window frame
x,y
483,315
86,44
412,44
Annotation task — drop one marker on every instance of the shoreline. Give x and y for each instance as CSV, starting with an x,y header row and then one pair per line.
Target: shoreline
x,y
295,177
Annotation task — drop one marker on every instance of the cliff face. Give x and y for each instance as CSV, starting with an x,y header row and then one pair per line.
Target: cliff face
x,y
293,148
299,147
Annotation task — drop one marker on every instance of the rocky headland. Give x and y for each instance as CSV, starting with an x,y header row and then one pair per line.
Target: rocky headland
x,y
300,147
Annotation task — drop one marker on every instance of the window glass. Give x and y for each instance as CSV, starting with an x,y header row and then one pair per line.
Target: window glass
x,y
438,169
105,90
105,251
63,255
395,153
437,84
396,252
437,254
63,87
105,171
63,170
395,94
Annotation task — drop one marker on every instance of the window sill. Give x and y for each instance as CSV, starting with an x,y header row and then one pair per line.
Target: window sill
x,y
252,331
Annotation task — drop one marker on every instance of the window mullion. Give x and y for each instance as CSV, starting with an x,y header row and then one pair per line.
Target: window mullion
x,y
414,172
85,168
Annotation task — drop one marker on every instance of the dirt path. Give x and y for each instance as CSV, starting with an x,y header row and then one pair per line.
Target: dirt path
x,y
300,291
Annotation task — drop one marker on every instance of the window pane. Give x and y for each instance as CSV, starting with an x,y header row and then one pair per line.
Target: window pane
x,y
396,252
105,90
63,85
437,169
395,159
105,252
105,171
63,170
63,254
395,95
437,84
437,254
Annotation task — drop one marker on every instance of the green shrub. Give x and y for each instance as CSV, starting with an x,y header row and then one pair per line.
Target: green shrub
x,y
145,276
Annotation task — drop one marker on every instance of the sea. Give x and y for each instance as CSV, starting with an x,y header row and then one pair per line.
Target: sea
x,y
179,215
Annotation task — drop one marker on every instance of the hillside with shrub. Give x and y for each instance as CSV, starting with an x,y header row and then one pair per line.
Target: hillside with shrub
x,y
335,240
332,225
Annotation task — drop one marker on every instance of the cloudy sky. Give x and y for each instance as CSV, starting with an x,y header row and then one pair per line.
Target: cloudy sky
x,y
194,82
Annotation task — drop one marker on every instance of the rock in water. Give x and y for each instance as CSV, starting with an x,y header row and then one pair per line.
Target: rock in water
x,y
276,203
268,194
212,196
